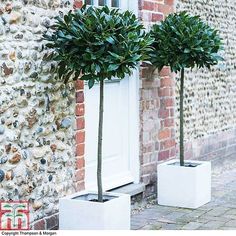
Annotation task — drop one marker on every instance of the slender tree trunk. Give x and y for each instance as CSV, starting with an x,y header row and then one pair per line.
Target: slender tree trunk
x,y
99,154
181,119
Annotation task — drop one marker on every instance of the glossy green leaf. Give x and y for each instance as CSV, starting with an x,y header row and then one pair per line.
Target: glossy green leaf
x,y
91,83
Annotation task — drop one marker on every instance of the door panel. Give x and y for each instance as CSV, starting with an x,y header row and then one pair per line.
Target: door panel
x,y
122,4
116,166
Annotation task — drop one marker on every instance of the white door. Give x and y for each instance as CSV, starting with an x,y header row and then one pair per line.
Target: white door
x,y
122,4
120,130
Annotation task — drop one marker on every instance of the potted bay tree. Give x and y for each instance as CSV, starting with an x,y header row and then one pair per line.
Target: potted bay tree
x,y
183,41
95,45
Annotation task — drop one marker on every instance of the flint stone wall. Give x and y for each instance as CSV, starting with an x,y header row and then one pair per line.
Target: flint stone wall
x,y
36,112
210,96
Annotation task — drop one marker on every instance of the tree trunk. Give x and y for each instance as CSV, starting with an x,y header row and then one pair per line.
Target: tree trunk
x,y
100,133
181,119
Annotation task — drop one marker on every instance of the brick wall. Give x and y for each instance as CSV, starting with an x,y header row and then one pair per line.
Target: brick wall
x,y
157,98
80,136
151,11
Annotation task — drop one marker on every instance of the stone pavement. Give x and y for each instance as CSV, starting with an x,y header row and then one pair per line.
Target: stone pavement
x,y
219,214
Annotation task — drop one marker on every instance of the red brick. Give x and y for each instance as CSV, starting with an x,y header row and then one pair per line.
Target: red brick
x,y
80,97
80,163
79,111
169,102
40,225
79,85
80,137
80,186
52,222
165,71
165,9
145,72
157,17
78,4
80,149
169,122
164,134
163,113
164,92
79,175
166,82
80,123
167,144
150,6
163,155
169,2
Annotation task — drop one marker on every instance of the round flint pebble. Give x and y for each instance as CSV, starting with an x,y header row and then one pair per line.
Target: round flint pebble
x,y
50,177
2,129
66,123
2,175
3,160
43,161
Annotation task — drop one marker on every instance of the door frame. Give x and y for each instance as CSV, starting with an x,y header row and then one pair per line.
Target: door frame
x,y
134,124
134,117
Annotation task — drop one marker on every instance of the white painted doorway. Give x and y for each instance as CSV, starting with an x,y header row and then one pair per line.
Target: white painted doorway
x,y
122,4
121,134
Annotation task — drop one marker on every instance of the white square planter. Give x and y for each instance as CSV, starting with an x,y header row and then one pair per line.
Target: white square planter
x,y
76,212
188,187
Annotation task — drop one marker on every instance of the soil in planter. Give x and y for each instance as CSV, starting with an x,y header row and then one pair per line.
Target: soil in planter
x,y
187,164
96,200
93,197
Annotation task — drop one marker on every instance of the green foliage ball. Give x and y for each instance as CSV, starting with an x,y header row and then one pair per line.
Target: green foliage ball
x,y
98,43
184,41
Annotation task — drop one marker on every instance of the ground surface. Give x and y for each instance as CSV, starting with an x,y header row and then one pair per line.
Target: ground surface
x,y
220,213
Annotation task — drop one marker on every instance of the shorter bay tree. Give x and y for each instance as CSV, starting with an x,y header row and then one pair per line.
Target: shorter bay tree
x,y
183,41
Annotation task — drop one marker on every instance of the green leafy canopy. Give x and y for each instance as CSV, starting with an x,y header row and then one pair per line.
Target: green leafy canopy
x,y
98,44
184,41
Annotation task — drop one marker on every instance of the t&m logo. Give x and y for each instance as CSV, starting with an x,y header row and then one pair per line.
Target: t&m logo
x,y
14,215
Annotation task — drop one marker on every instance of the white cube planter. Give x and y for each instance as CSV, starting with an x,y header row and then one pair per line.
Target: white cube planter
x,y
76,212
188,187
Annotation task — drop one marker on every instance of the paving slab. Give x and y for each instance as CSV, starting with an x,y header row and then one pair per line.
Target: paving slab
x,y
231,223
214,224
219,214
192,226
